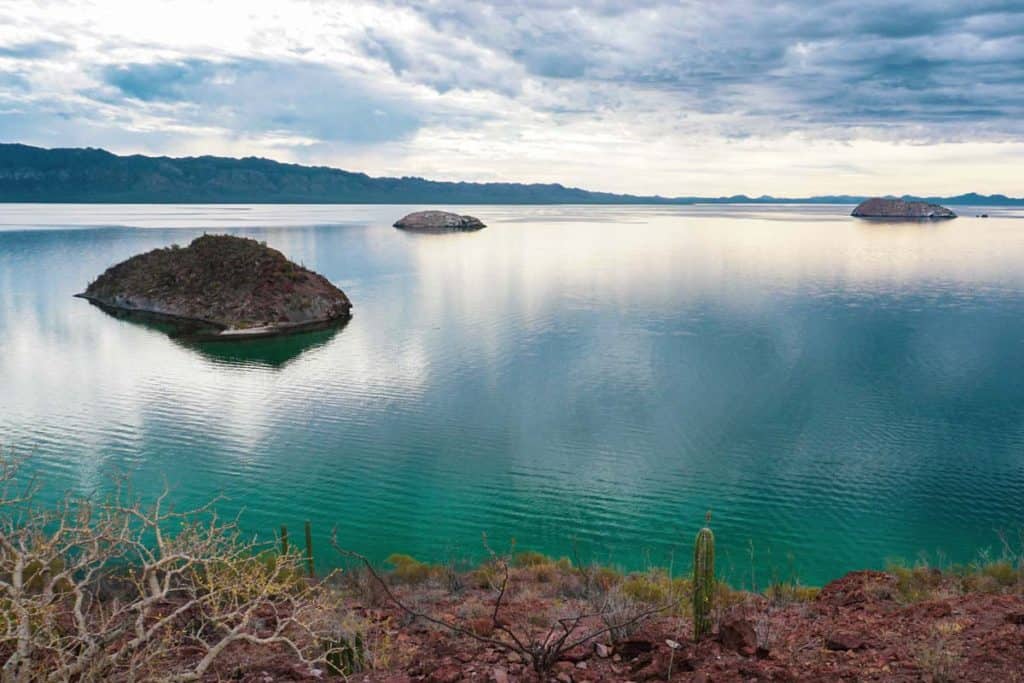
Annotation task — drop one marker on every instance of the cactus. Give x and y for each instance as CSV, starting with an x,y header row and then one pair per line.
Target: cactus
x,y
346,655
309,548
703,579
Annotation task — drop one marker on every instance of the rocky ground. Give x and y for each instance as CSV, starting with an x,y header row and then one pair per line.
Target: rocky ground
x,y
911,625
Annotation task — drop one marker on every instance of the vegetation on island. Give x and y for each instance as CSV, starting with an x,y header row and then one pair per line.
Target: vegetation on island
x,y
223,283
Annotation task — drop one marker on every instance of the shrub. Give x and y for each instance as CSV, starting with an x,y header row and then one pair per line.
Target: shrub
x,y
915,584
529,558
1002,572
785,593
410,570
81,575
544,573
646,588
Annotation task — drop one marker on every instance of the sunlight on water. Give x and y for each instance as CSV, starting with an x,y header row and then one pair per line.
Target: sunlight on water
x,y
839,392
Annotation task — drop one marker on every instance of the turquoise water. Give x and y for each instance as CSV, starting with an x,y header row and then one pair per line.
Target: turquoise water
x,y
839,392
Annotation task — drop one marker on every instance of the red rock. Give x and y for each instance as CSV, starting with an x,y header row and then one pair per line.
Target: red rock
x,y
845,640
737,633
631,648
446,674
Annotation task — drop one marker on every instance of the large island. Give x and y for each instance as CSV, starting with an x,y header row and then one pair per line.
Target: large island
x,y
221,287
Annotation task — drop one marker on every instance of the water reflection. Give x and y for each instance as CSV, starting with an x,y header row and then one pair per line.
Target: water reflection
x,y
836,390
274,352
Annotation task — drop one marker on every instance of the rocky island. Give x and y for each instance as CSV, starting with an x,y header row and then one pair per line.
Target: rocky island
x,y
221,287
881,207
438,221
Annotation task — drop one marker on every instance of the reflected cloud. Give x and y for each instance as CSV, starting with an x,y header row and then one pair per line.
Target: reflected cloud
x,y
593,368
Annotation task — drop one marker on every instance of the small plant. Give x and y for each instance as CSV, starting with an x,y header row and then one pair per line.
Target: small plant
x,y
410,570
915,584
619,613
646,589
941,657
529,558
703,579
346,655
782,593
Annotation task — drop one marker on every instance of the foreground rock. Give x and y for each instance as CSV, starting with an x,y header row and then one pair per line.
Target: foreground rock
x,y
438,221
879,207
221,287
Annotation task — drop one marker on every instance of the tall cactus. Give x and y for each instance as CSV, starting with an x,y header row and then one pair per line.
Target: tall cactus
x,y
703,579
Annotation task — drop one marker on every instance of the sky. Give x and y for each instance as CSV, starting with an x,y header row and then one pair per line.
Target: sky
x,y
794,98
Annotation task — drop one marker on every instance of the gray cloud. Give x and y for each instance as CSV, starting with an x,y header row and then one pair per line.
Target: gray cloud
x,y
464,86
784,65
258,96
38,49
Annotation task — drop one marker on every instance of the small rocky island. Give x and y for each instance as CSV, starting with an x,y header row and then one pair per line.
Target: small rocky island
x,y
438,221
882,207
221,287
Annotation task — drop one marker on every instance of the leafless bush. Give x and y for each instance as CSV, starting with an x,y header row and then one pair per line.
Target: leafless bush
x,y
118,590
543,652
619,613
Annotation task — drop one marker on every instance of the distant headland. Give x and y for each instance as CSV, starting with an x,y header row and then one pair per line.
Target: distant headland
x,y
89,175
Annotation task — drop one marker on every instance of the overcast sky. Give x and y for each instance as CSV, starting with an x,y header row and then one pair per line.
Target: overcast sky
x,y
676,98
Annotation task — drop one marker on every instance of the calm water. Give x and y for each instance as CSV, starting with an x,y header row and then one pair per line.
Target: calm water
x,y
838,392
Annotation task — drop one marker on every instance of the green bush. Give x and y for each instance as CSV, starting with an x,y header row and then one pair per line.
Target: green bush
x,y
646,589
410,570
529,558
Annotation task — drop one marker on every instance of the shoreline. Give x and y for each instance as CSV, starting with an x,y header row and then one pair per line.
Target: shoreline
x,y
195,329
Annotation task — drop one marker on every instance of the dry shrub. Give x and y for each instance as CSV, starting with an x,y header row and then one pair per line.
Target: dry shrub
x,y
411,571
940,657
121,590
783,594
530,558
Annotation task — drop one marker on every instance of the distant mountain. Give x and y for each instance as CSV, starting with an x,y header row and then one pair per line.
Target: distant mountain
x,y
34,174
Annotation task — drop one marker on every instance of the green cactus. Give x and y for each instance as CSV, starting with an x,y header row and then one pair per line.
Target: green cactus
x,y
346,655
703,579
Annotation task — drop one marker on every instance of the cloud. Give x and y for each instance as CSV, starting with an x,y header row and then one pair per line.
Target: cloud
x,y
786,66
471,89
37,49
258,96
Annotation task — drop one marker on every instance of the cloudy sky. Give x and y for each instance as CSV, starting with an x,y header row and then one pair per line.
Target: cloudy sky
x,y
677,98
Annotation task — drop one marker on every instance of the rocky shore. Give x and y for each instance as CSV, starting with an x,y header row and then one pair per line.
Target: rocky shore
x,y
907,625
221,287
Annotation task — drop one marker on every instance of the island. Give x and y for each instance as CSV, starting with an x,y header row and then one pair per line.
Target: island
x,y
438,221
886,207
221,287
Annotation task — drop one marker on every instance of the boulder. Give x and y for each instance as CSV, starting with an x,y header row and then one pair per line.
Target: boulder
x,y
880,207
845,640
438,221
736,633
220,287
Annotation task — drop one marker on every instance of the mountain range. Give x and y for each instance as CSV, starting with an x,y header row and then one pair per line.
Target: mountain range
x,y
89,175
